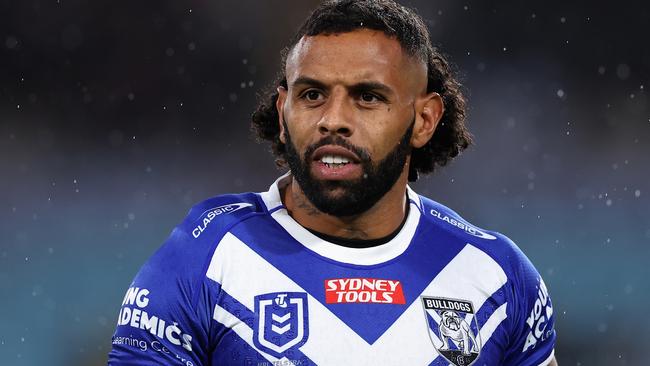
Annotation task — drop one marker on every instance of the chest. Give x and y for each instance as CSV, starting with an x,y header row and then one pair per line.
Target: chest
x,y
294,308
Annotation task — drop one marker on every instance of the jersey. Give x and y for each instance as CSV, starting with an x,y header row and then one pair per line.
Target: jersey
x,y
239,282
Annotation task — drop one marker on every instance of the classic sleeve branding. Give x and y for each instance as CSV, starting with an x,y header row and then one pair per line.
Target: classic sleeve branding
x,y
209,215
363,290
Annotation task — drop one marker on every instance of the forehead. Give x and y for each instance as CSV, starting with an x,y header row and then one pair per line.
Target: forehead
x,y
355,56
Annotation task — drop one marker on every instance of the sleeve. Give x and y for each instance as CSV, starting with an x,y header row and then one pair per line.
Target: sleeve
x,y
532,331
164,318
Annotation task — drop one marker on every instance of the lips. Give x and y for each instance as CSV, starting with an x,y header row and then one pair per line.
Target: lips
x,y
337,152
333,162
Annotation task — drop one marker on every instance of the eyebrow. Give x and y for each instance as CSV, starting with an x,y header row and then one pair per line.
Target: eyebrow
x,y
307,81
355,88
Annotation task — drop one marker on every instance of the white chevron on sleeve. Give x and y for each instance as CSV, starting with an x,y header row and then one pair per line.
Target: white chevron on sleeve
x,y
469,276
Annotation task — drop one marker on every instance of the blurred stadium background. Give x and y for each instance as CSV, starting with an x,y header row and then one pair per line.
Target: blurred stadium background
x,y
115,117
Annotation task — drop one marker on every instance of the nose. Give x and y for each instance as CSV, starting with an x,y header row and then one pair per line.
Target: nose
x,y
337,117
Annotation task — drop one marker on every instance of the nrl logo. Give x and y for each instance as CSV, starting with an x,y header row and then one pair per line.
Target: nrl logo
x,y
453,329
281,322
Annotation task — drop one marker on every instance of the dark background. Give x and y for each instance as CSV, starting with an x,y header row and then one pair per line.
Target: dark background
x,y
115,117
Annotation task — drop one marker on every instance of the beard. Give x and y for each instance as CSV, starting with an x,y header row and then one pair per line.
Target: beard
x,y
358,195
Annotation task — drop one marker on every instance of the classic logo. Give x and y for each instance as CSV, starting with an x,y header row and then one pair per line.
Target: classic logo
x,y
363,290
471,230
207,216
281,322
448,322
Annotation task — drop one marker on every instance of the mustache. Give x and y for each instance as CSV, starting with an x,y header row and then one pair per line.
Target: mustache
x,y
337,141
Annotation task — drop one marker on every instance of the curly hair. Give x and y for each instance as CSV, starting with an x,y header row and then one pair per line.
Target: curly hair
x,y
394,20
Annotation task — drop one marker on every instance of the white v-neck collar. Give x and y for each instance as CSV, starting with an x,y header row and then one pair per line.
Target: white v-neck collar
x,y
358,256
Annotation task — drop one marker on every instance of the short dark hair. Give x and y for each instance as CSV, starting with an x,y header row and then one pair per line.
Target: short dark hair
x,y
342,16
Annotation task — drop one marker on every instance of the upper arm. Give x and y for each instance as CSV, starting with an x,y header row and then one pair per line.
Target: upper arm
x,y
530,318
162,320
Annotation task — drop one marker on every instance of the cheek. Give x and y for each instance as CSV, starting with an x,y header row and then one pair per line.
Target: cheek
x,y
381,138
302,124
299,133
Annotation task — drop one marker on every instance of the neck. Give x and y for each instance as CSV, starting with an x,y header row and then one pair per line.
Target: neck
x,y
379,221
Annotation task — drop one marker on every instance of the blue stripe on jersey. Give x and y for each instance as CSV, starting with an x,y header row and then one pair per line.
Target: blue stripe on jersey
x,y
433,325
487,309
232,350
236,308
415,269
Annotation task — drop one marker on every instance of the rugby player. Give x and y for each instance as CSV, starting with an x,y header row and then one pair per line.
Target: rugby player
x,y
340,262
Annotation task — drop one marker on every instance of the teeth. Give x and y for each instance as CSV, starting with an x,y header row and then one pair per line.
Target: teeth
x,y
332,159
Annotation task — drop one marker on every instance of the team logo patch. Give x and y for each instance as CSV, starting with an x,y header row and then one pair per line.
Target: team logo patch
x,y
453,329
281,322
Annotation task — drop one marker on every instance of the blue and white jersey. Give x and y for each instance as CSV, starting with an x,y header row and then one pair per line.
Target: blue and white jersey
x,y
239,282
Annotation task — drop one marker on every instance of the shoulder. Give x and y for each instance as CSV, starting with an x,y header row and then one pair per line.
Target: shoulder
x,y
530,321
496,245
170,301
212,215
189,247
174,277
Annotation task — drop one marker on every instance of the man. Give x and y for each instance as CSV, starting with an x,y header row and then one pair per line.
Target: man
x,y
340,263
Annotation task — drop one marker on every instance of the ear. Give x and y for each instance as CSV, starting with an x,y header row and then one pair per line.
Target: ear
x,y
428,112
279,105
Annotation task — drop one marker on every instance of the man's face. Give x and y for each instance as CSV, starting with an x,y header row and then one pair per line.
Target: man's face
x,y
347,117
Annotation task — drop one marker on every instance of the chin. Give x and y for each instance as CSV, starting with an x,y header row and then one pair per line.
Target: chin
x,y
334,193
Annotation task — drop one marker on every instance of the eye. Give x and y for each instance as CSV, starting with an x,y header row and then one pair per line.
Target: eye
x,y
312,95
369,97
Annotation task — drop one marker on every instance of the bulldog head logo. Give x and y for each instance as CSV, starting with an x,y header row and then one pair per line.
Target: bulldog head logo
x,y
450,331
456,329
